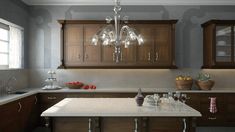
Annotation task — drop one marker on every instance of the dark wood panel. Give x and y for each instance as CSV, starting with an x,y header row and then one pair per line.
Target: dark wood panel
x,y
157,52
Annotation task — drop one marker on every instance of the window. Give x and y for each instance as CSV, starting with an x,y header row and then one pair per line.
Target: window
x,y
11,40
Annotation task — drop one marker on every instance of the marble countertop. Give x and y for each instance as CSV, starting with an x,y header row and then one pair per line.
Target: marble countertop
x,y
31,91
116,107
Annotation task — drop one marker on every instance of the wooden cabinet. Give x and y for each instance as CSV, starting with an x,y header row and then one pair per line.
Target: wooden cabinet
x,y
117,124
73,48
230,110
92,53
29,113
163,53
165,125
10,117
49,99
208,118
218,41
19,116
156,52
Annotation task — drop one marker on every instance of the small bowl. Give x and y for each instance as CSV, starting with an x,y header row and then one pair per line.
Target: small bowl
x,y
205,85
183,84
74,86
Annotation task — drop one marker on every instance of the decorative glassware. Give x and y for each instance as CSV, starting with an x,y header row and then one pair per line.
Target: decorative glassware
x,y
51,80
139,98
117,34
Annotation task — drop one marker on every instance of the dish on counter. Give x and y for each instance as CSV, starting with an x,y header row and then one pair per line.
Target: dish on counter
x,y
74,85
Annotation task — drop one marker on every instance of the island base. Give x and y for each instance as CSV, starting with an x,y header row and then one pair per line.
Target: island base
x,y
121,124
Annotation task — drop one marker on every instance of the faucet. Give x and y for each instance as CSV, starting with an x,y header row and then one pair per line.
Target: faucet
x,y
8,84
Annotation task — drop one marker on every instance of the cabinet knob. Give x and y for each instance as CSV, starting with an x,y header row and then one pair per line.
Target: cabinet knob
x,y
149,56
157,56
20,107
51,98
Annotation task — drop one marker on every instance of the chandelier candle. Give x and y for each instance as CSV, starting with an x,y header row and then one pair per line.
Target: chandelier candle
x,y
118,34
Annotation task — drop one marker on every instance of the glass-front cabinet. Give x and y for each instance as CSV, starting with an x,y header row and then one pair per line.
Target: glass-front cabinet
x,y
218,44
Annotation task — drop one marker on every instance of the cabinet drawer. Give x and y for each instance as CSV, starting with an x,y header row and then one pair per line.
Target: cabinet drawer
x,y
51,97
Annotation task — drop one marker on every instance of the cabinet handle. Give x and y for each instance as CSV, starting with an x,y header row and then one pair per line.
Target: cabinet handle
x,y
86,57
136,125
185,125
121,56
79,56
211,118
51,98
20,106
113,56
36,99
89,125
149,56
47,122
157,56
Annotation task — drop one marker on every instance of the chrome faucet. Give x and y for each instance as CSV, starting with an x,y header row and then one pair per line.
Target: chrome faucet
x,y
8,85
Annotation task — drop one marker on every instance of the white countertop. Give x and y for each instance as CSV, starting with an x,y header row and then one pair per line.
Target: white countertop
x,y
32,91
116,107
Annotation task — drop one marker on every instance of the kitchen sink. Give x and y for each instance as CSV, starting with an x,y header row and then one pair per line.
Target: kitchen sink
x,y
18,92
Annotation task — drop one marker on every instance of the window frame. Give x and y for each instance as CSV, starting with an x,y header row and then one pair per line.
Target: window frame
x,y
8,48
8,24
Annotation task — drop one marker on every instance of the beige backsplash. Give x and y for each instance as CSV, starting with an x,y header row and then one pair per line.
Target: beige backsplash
x,y
130,78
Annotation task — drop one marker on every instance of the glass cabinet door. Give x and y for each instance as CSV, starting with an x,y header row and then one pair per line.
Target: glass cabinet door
x,y
223,44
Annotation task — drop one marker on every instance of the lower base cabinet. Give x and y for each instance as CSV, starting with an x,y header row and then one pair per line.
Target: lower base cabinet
x,y
119,124
19,116
23,115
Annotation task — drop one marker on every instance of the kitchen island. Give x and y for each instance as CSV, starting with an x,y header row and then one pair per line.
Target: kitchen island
x,y
115,115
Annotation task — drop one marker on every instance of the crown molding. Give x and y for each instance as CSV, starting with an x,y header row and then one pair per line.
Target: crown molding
x,y
130,2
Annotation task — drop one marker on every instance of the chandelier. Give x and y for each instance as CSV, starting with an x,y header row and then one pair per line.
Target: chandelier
x,y
117,34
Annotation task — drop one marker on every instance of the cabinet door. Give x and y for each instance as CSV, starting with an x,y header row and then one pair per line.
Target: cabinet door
x,y
29,113
163,45
209,119
145,52
10,117
73,44
49,99
92,53
165,125
128,55
110,124
230,109
108,55
223,45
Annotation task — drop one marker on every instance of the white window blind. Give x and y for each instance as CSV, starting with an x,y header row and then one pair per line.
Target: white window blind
x,y
15,48
11,43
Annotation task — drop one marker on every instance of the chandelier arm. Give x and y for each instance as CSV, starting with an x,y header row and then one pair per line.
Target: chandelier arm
x,y
122,31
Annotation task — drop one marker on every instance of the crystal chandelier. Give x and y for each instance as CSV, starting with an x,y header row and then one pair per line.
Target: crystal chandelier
x,y
118,34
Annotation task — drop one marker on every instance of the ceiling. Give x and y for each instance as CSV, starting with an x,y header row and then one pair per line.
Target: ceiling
x,y
130,2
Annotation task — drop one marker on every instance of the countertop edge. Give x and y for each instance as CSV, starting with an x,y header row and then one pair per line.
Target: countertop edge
x,y
32,91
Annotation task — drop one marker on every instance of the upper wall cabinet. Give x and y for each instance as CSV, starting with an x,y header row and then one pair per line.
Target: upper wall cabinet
x,y
218,42
78,51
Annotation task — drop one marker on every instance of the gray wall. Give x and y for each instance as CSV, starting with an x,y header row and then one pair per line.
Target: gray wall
x,y
18,13
45,45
